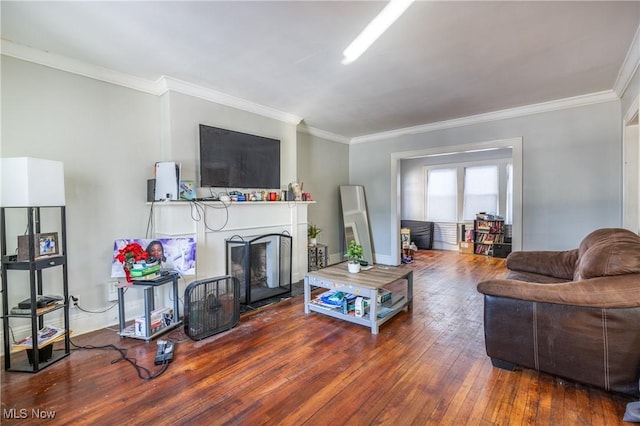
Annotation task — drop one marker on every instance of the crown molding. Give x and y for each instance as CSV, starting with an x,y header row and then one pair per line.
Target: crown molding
x,y
158,88
629,66
572,102
74,66
166,83
323,134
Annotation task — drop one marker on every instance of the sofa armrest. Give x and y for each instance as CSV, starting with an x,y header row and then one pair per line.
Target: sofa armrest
x,y
620,291
560,264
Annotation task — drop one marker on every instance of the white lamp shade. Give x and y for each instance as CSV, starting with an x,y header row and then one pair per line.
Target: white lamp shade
x,y
31,182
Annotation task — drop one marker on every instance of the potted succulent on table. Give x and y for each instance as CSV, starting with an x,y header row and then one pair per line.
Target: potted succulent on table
x,y
354,255
312,233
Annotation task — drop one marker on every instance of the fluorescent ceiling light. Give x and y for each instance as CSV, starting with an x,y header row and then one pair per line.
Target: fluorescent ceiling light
x,y
376,27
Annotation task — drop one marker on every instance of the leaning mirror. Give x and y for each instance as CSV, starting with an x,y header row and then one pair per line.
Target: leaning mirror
x,y
355,218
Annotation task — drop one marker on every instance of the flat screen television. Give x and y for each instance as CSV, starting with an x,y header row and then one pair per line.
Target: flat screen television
x,y
231,159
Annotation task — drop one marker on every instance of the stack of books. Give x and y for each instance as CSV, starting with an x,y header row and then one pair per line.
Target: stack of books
x,y
145,271
17,310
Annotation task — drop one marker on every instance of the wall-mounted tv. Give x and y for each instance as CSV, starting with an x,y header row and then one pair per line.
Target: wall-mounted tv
x,y
231,159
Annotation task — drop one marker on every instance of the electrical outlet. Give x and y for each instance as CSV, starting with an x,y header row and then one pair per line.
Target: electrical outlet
x,y
112,291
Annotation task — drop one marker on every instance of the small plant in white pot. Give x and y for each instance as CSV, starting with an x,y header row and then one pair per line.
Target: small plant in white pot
x,y
312,233
354,255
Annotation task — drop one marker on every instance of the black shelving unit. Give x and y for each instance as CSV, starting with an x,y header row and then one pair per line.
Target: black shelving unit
x,y
34,265
490,238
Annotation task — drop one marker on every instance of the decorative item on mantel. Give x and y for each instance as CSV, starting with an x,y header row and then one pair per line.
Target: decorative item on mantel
x,y
295,189
354,255
312,233
137,263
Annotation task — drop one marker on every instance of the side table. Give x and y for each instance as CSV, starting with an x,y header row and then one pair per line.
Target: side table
x,y
318,256
148,287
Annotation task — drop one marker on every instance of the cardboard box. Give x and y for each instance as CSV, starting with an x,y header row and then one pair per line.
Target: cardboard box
x,y
465,247
405,237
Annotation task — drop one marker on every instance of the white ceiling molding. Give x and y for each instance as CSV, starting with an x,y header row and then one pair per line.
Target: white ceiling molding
x,y
166,83
158,87
629,66
575,101
74,66
323,134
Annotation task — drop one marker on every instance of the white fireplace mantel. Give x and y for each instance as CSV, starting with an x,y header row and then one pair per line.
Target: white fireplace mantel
x,y
212,223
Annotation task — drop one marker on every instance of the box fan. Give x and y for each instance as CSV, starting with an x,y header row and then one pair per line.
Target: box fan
x,y
211,306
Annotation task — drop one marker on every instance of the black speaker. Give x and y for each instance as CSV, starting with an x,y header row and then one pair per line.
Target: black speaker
x,y
151,190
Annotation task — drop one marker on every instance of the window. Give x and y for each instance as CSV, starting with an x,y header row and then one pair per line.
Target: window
x,y
469,188
480,191
442,195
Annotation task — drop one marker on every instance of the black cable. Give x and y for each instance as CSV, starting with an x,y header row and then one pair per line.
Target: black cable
x,y
75,303
143,373
199,213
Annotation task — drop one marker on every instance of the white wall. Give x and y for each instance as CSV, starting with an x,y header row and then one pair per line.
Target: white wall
x,y
109,138
571,171
323,166
106,136
184,113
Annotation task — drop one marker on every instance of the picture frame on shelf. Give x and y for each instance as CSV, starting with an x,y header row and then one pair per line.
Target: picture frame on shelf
x,y
45,244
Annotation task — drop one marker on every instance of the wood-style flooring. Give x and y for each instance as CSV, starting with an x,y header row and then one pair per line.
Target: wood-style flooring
x,y
279,366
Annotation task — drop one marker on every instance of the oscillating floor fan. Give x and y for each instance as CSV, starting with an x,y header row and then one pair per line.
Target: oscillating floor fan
x,y
211,306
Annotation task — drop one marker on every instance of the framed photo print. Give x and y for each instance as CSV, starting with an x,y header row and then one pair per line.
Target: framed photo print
x,y
46,244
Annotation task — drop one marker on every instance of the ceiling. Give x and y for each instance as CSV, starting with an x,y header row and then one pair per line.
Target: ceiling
x,y
442,60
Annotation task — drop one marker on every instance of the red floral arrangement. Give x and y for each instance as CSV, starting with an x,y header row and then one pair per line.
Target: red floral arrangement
x,y
129,255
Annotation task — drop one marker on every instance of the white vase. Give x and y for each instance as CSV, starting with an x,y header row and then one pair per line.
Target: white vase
x,y
354,268
313,241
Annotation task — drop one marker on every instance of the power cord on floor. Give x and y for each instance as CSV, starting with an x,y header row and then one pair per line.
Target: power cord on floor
x,y
143,373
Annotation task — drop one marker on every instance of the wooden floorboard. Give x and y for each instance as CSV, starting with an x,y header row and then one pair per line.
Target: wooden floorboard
x,y
427,366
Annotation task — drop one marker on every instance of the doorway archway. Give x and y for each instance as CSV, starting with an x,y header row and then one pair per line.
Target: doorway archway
x,y
395,202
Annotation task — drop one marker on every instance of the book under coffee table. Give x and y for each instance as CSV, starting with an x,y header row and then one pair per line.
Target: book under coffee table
x,y
366,284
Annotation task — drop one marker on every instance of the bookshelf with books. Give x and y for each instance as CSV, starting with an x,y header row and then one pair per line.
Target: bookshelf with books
x,y
490,237
47,315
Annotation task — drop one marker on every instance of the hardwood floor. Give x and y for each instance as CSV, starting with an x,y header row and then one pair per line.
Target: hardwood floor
x,y
279,366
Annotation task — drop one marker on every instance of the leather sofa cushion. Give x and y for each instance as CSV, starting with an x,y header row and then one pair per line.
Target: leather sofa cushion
x,y
606,258
608,235
531,277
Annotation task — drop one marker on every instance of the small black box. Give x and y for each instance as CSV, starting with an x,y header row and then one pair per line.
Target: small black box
x,y
151,190
44,354
501,250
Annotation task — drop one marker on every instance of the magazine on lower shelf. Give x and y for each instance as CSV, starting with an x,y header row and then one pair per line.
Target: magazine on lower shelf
x,y
47,334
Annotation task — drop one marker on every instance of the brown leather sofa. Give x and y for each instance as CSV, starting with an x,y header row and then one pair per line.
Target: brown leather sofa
x,y
573,314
